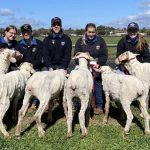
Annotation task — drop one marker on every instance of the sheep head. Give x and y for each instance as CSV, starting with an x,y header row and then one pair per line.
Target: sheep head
x,y
125,57
27,66
106,69
83,55
7,55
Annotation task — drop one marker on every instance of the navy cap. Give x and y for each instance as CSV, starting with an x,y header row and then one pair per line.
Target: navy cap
x,y
133,27
26,27
56,20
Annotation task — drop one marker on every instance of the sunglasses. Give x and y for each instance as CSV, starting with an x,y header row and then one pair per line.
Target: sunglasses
x,y
91,32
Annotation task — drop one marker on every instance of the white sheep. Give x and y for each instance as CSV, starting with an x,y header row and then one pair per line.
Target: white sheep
x,y
8,56
79,84
46,86
12,87
140,70
125,89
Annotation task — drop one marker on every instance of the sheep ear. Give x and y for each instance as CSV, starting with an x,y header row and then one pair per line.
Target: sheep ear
x,y
32,71
12,60
91,58
136,55
76,55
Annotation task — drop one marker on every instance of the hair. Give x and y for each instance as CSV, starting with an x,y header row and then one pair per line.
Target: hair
x,y
142,44
90,25
10,27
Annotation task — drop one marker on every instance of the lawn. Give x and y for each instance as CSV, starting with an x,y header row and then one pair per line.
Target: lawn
x,y
100,137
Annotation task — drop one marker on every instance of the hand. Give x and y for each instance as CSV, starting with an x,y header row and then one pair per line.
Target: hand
x,y
96,67
50,69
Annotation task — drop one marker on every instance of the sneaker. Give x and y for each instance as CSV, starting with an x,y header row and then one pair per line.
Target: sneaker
x,y
33,106
98,111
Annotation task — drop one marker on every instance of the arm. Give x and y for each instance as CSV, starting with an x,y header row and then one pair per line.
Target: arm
x,y
120,48
103,54
78,46
46,54
68,51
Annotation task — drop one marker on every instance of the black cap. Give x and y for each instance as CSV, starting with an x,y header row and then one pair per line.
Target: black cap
x,y
56,20
133,27
26,27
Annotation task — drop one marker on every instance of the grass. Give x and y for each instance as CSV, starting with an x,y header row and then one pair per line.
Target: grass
x,y
100,137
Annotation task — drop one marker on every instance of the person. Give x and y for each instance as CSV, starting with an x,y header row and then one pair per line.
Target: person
x,y
8,40
96,46
134,42
57,47
31,48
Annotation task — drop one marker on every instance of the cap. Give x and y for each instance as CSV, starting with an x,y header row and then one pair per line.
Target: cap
x,y
133,27
56,20
26,27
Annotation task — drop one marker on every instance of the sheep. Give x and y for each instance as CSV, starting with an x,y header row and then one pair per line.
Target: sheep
x,y
140,70
46,86
79,84
8,56
125,89
12,87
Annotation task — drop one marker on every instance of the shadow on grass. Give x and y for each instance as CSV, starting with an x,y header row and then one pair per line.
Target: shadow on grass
x,y
114,113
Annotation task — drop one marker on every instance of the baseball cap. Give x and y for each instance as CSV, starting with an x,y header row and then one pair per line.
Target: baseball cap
x,y
133,27
25,27
56,20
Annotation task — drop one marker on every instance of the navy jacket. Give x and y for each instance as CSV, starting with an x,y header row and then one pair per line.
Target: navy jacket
x,y
57,51
11,45
97,48
32,53
125,44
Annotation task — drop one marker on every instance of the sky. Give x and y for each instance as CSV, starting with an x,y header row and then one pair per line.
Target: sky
x,y
75,13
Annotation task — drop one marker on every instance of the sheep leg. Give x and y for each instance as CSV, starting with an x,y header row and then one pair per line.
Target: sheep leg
x,y
22,112
65,104
107,106
50,118
126,107
15,104
145,115
84,105
38,116
4,107
69,117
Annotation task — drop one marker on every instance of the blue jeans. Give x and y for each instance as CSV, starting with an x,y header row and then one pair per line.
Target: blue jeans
x,y
98,94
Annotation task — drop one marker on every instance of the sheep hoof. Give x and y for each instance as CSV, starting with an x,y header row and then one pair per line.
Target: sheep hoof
x,y
147,132
7,136
105,122
42,134
126,132
69,135
141,115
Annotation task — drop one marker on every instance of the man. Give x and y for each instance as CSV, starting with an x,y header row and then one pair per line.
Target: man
x,y
31,49
56,47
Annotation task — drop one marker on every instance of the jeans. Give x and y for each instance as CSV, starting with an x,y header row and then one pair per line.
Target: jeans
x,y
98,94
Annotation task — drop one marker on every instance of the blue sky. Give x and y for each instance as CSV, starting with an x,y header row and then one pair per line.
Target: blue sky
x,y
75,13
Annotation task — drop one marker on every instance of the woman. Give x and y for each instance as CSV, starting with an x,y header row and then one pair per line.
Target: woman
x,y
96,46
8,40
135,43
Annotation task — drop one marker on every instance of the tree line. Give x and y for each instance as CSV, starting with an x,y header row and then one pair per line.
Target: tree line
x,y
101,30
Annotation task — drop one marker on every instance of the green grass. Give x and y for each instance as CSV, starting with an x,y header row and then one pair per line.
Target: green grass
x,y
100,137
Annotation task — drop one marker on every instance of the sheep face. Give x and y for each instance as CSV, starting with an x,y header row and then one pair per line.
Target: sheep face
x,y
106,69
27,66
126,56
7,55
83,55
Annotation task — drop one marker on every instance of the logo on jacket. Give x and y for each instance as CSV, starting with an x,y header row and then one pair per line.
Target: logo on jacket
x,y
34,49
62,43
97,47
53,41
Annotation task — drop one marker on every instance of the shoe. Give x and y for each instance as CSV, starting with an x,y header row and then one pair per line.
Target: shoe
x,y
98,111
33,106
